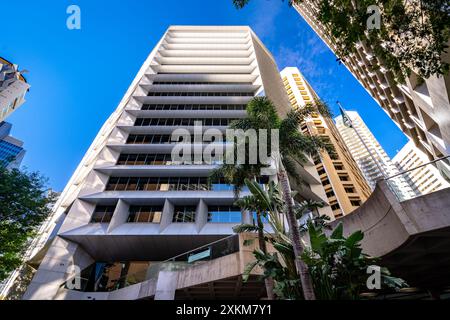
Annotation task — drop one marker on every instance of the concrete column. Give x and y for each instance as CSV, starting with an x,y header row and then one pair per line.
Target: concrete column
x,y
247,217
201,215
120,215
409,225
166,285
79,215
60,263
167,215
107,157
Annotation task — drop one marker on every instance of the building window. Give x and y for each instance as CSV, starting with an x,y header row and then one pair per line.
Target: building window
x,y
103,214
349,189
344,177
200,94
193,107
355,202
159,160
158,184
335,206
325,182
339,166
224,214
184,214
330,194
145,122
145,214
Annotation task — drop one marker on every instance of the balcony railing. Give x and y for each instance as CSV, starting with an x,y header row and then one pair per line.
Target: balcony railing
x,y
190,259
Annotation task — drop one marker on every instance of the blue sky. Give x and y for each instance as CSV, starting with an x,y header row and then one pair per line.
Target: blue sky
x,y
78,77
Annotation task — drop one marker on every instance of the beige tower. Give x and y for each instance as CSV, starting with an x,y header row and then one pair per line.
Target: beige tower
x,y
343,182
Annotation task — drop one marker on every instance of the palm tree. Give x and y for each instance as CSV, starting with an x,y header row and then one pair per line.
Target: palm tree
x,y
263,204
270,203
251,204
294,147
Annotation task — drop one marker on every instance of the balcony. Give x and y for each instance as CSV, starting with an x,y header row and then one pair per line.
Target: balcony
x,y
211,271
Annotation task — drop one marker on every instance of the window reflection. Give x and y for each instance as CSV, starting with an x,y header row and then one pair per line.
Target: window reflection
x,y
224,214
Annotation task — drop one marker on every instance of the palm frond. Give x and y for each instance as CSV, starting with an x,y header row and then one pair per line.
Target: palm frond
x,y
241,228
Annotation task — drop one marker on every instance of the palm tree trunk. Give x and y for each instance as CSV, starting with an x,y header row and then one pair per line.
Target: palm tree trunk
x,y
262,245
302,268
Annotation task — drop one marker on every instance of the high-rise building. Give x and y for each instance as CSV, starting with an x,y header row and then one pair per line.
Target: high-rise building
x,y
421,109
370,155
13,87
426,178
343,183
129,206
11,149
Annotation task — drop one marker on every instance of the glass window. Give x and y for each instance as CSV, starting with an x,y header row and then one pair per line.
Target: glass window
x,y
184,214
224,214
103,214
145,214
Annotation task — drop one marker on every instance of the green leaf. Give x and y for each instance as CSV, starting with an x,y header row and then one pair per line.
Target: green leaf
x,y
338,232
248,242
245,228
354,238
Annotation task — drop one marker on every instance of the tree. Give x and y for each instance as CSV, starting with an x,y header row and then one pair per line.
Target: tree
x,y
271,206
413,34
338,265
294,147
263,204
24,205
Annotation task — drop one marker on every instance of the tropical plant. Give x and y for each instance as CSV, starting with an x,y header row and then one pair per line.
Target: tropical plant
x,y
413,34
283,272
257,204
338,265
24,205
294,147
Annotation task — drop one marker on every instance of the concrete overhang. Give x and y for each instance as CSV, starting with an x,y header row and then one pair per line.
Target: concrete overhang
x,y
177,114
156,148
160,171
411,237
166,129
194,100
200,88
198,77
176,197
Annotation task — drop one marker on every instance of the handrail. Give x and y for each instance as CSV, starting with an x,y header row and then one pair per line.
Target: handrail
x,y
196,249
161,263
418,167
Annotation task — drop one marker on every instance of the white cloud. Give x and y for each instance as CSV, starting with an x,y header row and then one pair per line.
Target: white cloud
x,y
264,17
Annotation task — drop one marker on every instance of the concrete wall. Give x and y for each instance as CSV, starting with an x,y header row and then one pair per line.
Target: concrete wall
x,y
388,224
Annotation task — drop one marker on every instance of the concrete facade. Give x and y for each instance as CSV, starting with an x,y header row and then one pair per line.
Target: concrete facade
x,y
13,87
411,237
426,179
370,156
127,201
419,108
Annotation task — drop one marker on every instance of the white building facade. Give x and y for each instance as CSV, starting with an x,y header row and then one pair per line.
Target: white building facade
x,y
370,155
13,88
426,178
128,204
